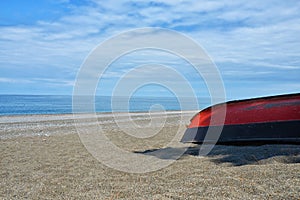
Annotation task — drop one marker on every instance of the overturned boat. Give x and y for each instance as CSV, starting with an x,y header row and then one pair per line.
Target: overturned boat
x,y
273,119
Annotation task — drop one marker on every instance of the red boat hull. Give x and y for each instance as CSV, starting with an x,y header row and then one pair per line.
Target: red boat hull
x,y
268,119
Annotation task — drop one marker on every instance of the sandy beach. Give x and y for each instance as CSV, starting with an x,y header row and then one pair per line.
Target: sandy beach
x,y
42,157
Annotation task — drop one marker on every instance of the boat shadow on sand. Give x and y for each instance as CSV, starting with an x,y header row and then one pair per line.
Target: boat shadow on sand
x,y
235,154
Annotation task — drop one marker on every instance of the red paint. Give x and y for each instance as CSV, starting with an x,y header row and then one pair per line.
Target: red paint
x,y
268,109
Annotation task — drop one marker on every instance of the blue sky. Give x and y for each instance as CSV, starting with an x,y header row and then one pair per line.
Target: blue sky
x,y
255,44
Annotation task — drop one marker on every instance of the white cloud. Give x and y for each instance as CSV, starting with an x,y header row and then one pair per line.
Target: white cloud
x,y
254,33
51,81
46,81
10,80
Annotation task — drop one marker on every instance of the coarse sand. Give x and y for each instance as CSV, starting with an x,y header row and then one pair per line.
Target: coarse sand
x,y
42,157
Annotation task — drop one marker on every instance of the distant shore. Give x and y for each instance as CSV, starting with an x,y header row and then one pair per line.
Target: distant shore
x,y
42,157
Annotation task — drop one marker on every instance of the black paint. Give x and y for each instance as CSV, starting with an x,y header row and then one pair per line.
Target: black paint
x,y
267,132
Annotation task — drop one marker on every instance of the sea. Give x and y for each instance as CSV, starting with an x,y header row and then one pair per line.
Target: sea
x,y
62,104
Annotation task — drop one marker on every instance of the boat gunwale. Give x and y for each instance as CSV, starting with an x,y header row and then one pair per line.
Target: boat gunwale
x,y
244,100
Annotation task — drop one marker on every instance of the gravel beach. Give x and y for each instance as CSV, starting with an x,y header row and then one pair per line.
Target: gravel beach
x,y
43,157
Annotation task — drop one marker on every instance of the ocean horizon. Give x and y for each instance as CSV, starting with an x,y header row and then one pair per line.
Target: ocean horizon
x,y
62,104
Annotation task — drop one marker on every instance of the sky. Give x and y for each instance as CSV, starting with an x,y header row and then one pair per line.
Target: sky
x,y
254,44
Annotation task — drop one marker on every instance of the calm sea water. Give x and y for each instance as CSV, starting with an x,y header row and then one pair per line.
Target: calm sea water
x,y
57,104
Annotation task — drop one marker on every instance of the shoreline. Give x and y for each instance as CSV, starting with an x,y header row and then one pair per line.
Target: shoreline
x,y
39,125
97,113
